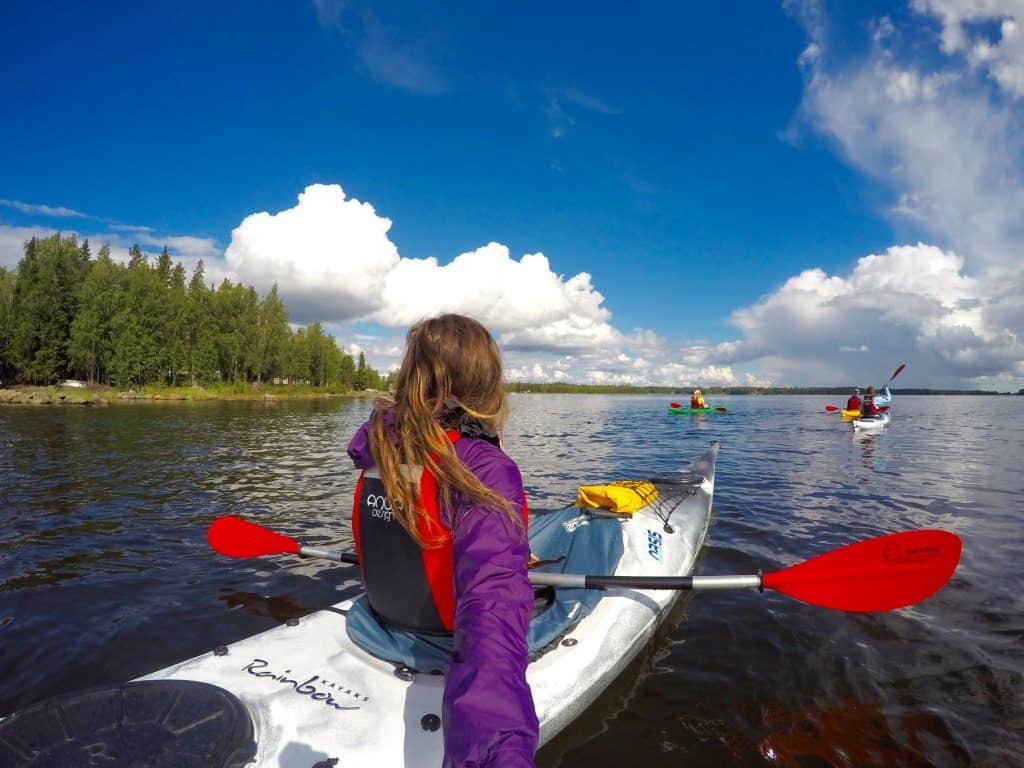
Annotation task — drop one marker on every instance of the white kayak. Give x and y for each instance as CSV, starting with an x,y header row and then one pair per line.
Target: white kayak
x,y
872,423
304,695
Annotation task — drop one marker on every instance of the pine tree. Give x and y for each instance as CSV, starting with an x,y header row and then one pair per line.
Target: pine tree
x,y
200,329
100,299
273,336
163,267
139,328
135,256
298,357
317,354
197,277
347,371
360,381
45,302
178,277
177,331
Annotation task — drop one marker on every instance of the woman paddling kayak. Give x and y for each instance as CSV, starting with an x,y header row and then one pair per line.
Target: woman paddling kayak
x,y
697,400
446,551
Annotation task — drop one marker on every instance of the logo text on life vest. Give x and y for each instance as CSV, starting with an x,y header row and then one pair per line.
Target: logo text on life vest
x,y
380,506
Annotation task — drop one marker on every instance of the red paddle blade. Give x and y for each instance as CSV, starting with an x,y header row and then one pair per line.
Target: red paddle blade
x,y
879,574
831,408
720,409
897,372
674,405
234,537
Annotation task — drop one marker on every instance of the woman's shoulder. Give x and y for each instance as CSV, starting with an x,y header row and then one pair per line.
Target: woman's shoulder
x,y
491,465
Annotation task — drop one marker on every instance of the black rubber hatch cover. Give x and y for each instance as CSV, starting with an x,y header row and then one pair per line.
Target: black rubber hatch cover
x,y
145,724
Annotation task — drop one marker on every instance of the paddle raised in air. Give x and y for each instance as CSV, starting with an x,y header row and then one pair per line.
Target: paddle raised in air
x,y
879,574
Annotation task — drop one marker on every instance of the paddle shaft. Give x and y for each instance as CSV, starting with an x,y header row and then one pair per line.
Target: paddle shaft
x,y
583,581
326,554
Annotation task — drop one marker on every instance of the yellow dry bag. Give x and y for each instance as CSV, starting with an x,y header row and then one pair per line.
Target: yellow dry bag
x,y
623,496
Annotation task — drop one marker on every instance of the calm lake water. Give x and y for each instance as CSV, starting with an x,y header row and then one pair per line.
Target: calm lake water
x,y
105,573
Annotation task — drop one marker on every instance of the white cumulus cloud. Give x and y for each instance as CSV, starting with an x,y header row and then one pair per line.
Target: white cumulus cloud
x,y
333,260
329,255
911,303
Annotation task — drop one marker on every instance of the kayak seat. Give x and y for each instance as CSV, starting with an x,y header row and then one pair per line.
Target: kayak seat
x,y
575,540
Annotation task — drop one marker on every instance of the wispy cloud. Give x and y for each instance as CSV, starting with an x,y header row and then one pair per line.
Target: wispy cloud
x,y
57,212
400,63
130,228
923,118
562,104
560,122
183,245
589,102
330,12
388,55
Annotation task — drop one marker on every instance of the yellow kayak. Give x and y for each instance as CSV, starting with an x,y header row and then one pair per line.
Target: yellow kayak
x,y
851,415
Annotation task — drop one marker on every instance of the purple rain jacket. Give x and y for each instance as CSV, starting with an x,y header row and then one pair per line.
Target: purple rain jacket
x,y
488,717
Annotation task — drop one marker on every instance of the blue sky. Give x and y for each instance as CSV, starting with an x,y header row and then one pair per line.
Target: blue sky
x,y
688,159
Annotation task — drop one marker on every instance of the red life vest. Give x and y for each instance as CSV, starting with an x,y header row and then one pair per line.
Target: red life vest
x,y
408,586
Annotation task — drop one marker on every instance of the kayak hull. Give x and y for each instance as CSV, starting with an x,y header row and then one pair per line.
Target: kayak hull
x,y
712,409
874,424
313,695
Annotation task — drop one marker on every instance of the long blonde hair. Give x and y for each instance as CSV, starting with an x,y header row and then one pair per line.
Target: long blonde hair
x,y
450,357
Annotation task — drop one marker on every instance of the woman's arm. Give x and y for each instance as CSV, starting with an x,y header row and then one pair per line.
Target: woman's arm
x,y
488,713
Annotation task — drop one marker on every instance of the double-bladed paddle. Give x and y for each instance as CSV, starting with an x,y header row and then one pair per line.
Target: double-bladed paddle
x,y
718,408
879,574
833,409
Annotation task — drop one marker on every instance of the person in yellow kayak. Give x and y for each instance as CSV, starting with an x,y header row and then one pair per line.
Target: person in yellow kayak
x,y
697,400
853,404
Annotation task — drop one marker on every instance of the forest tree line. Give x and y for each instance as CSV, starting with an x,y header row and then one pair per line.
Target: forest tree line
x,y
65,314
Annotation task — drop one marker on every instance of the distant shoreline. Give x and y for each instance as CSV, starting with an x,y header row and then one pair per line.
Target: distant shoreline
x,y
103,396
602,389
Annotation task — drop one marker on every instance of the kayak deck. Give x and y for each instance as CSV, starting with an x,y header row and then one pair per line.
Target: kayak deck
x,y
314,695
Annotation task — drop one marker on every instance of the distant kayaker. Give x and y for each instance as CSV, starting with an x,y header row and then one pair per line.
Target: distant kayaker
x,y
697,400
443,547
868,407
853,404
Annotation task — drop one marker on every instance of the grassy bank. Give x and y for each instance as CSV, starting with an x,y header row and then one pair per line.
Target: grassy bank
x,y
99,395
